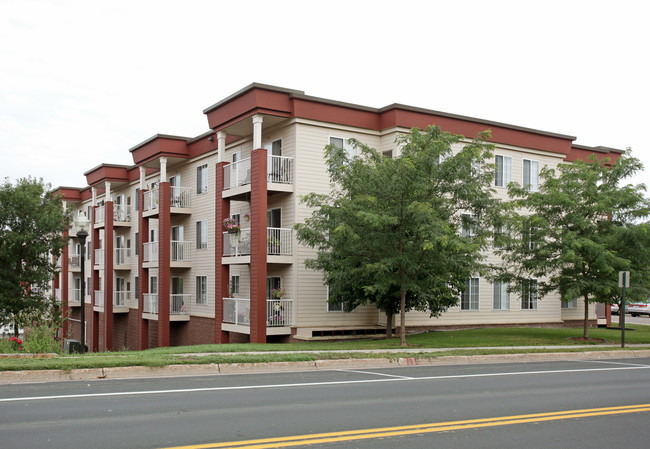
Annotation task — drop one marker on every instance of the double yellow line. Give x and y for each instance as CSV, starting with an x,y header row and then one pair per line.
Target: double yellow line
x,y
383,432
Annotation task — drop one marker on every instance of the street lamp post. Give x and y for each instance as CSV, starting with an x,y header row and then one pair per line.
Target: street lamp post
x,y
82,225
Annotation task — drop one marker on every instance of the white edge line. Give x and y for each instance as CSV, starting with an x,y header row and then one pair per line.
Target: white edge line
x,y
314,384
374,374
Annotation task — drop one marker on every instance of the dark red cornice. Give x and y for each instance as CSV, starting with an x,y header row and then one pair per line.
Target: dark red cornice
x,y
160,146
107,172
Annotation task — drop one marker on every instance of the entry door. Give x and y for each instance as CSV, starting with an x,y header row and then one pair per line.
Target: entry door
x,y
274,168
274,218
273,232
178,236
175,184
119,250
272,283
177,303
119,209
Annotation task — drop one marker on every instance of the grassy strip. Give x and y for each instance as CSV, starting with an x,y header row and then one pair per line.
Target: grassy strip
x,y
494,337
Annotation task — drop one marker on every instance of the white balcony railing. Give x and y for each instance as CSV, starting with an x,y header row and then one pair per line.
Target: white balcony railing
x,y
150,200
180,304
278,241
121,213
99,256
100,213
122,256
150,303
150,252
99,298
120,298
181,251
237,311
279,169
74,296
279,312
237,244
74,261
237,174
181,197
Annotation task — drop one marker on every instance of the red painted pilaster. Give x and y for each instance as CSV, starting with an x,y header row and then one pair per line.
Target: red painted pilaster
x,y
108,276
143,274
258,246
221,272
164,271
65,270
94,285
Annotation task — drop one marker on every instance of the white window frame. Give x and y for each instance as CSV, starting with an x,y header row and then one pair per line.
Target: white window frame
x,y
201,233
202,290
533,175
471,295
235,284
472,221
349,149
500,295
572,304
202,179
504,177
529,296
336,308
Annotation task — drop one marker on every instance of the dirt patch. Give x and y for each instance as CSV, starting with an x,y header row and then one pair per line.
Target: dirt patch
x,y
590,340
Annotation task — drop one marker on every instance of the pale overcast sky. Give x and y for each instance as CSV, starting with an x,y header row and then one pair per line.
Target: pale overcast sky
x,y
81,82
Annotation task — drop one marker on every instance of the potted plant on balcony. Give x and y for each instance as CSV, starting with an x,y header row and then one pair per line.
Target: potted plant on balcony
x,y
233,229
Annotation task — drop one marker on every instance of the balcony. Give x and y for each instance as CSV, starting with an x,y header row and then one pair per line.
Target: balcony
x,y
99,301
100,216
74,262
180,257
121,215
122,259
179,307
237,175
279,314
279,245
180,203
99,256
74,297
120,299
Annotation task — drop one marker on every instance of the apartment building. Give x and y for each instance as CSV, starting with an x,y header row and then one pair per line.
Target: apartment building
x,y
193,243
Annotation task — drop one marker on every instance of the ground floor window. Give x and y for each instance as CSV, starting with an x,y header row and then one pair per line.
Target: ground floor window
x,y
201,289
571,304
469,297
529,295
333,307
501,296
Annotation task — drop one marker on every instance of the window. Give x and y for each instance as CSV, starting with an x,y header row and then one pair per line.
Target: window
x,y
202,179
202,234
500,296
497,236
272,283
153,285
469,297
333,307
572,304
137,287
529,295
201,289
503,173
531,175
344,144
137,242
469,223
137,199
388,154
529,236
234,284
88,286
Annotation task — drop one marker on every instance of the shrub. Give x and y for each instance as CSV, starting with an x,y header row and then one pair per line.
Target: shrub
x,y
9,345
42,339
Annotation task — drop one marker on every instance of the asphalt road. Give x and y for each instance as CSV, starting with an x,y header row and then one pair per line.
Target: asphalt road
x,y
577,404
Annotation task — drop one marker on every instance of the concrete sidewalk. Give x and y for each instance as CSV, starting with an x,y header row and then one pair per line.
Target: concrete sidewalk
x,y
14,377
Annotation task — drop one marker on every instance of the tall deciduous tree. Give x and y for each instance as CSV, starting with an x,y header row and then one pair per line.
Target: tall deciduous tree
x,y
564,239
403,233
32,221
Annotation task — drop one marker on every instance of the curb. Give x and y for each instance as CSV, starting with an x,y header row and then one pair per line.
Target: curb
x,y
139,372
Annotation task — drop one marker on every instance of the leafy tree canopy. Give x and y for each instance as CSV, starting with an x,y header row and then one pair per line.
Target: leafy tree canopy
x,y
32,221
565,236
403,233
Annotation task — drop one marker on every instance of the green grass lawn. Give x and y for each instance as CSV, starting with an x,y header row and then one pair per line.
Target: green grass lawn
x,y
232,353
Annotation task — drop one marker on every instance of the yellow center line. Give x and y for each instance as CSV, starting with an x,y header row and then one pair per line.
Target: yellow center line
x,y
382,432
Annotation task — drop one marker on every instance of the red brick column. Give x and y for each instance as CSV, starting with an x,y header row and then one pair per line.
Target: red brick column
x,y
63,285
221,272
164,255
108,276
143,274
89,311
258,246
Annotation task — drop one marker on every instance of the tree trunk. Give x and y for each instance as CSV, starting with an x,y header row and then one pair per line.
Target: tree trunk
x,y
389,324
586,323
402,319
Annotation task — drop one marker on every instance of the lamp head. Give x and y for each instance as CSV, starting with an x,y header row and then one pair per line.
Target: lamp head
x,y
81,224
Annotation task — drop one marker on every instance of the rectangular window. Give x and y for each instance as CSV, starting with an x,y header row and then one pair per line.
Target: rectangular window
x,y
530,236
234,284
500,296
572,304
469,297
202,179
531,175
202,234
529,295
201,289
153,284
333,307
137,287
88,286
137,199
344,144
497,236
503,173
470,224
137,242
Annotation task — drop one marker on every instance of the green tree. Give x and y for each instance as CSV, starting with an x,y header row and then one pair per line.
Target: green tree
x,y
32,221
564,239
403,233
